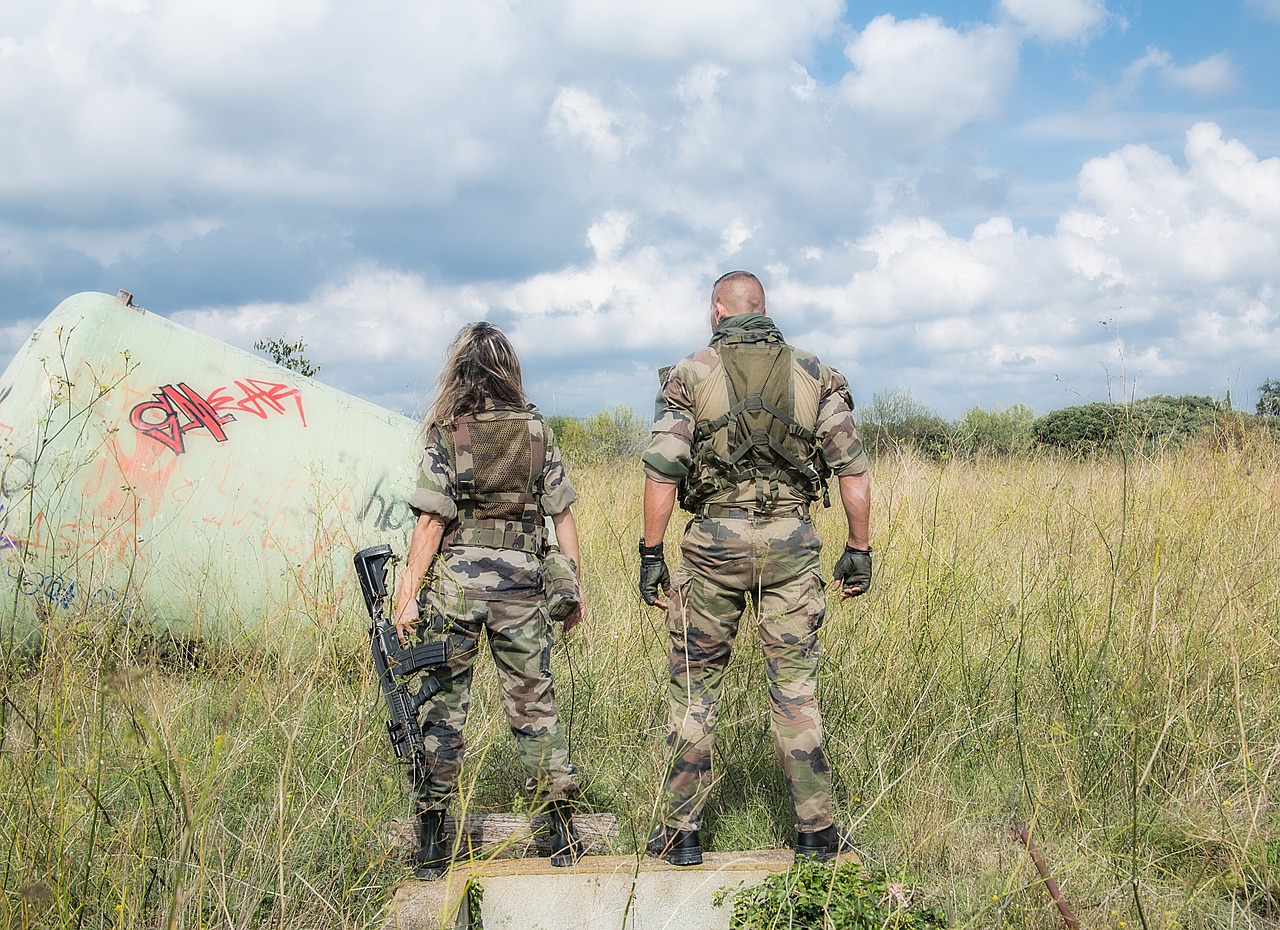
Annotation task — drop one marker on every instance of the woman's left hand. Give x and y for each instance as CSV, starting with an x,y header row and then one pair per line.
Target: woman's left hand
x,y
575,618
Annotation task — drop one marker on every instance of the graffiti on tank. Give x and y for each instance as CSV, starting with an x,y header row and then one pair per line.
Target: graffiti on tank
x,y
162,417
60,591
17,473
173,411
260,398
7,541
386,514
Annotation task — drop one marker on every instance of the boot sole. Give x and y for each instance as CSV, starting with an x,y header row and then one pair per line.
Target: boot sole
x,y
679,856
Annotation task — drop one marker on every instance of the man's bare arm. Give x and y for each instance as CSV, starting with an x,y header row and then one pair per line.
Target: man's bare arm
x,y
855,495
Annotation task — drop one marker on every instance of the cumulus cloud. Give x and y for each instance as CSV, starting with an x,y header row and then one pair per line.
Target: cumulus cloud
x,y
923,81
1161,272
381,333
1057,20
1166,256
579,114
729,30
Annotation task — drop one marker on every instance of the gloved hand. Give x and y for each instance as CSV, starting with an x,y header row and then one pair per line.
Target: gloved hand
x,y
655,580
853,571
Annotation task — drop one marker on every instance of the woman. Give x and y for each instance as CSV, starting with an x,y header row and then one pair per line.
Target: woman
x,y
490,474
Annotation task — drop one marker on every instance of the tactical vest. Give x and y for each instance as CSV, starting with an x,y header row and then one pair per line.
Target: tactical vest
x,y
499,459
767,447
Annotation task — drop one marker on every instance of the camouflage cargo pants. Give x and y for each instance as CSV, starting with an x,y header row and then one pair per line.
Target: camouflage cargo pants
x,y
776,563
519,638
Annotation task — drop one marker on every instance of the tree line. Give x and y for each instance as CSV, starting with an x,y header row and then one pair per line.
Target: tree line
x,y
896,421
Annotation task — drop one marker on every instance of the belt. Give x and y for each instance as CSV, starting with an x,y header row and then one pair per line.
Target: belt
x,y
734,512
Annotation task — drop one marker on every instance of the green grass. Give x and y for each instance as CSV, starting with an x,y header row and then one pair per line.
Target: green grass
x,y
1091,648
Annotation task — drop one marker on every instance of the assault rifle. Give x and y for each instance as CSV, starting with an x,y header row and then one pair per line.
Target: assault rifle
x,y
396,666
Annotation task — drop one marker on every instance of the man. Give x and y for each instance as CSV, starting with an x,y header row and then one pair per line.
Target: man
x,y
744,433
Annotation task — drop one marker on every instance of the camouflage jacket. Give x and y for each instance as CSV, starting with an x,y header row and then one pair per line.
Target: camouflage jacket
x,y
695,389
480,571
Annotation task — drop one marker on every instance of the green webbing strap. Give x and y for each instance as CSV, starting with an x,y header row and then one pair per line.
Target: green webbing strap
x,y
537,452
464,464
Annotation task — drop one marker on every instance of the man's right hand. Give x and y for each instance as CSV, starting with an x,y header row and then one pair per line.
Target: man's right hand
x,y
853,572
655,580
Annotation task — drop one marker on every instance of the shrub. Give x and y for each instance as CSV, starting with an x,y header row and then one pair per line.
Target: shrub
x,y
997,432
816,896
896,419
570,433
1145,425
1269,398
609,435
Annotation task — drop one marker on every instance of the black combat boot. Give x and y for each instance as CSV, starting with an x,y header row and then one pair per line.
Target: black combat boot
x,y
823,845
432,857
566,848
679,847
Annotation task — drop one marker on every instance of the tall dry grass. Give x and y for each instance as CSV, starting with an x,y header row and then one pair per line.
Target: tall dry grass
x,y
1090,648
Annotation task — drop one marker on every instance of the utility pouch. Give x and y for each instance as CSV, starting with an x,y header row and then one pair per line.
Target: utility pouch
x,y
560,583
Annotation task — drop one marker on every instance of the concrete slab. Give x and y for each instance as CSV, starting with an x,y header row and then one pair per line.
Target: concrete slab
x,y
621,892
598,893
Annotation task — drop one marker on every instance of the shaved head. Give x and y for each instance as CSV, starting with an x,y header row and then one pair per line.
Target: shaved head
x,y
738,292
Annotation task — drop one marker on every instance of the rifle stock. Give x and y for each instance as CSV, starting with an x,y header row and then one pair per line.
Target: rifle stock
x,y
395,666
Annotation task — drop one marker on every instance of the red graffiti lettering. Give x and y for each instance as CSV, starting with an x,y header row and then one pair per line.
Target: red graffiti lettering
x,y
259,398
162,417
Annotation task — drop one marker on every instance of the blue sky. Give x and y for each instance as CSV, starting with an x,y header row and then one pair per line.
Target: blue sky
x,y
983,203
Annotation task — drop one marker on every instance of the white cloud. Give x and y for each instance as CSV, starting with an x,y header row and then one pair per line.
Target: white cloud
x,y
1228,168
296,101
1216,224
580,114
1269,9
698,88
370,315
729,30
1208,77
608,234
735,235
922,81
1178,262
1058,20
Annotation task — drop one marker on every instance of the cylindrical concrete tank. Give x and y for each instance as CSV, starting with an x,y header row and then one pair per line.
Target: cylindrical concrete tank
x,y
155,474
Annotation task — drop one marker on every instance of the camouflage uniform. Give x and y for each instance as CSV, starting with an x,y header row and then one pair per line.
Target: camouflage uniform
x,y
747,540
471,588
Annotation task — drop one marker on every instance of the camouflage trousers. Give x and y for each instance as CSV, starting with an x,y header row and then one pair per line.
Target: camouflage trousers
x,y
520,640
775,562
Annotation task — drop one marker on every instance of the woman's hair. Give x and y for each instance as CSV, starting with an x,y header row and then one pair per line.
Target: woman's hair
x,y
481,369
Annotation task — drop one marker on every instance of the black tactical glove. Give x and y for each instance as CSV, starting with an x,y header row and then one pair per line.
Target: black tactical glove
x,y
655,580
853,570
